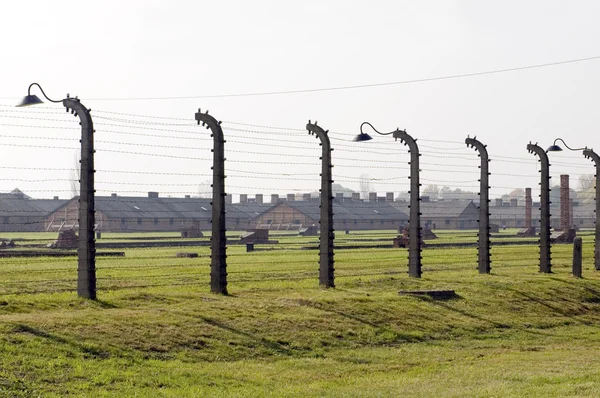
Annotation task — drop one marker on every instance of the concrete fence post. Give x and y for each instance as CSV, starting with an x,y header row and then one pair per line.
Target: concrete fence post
x,y
218,240
545,245
484,207
577,247
414,226
326,262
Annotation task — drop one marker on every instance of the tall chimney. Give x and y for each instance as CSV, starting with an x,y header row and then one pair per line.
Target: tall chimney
x,y
528,206
258,198
565,222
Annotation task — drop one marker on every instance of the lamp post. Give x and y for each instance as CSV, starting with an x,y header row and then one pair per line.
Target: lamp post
x,y
545,258
326,277
218,240
86,250
588,153
414,228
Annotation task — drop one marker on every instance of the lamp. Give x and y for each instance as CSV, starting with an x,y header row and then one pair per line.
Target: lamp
x,y
86,249
414,229
362,136
33,99
556,148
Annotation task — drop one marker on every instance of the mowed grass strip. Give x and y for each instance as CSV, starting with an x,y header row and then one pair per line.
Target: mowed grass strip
x,y
156,330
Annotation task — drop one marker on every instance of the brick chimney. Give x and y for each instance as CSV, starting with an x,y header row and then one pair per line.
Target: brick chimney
x,y
339,196
389,197
372,196
258,198
499,202
356,196
305,197
243,198
291,197
565,211
229,199
528,206
274,198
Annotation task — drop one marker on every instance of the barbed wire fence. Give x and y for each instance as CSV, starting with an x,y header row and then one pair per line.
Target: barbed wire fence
x,y
138,154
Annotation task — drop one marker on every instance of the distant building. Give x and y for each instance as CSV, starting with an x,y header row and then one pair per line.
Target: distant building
x,y
347,214
445,214
20,213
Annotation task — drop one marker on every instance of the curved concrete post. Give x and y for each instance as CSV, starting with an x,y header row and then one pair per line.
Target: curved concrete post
x,y
326,269
545,258
218,240
86,249
590,154
484,207
414,227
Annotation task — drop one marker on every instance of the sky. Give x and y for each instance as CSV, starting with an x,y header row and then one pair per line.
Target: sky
x,y
146,67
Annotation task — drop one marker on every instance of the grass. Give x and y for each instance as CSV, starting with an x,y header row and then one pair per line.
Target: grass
x,y
157,331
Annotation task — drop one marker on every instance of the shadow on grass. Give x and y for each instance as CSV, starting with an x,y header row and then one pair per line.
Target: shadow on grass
x,y
273,345
446,306
84,348
553,308
320,307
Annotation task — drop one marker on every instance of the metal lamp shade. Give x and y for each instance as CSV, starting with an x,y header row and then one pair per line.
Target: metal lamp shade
x,y
554,148
30,100
362,137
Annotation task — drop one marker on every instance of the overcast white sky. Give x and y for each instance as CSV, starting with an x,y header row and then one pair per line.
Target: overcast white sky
x,y
110,50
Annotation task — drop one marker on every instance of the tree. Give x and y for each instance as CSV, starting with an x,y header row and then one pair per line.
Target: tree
x,y
204,189
365,186
555,195
433,191
75,175
585,182
339,188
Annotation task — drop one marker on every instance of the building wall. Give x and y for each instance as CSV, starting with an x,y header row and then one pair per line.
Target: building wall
x,y
21,224
283,215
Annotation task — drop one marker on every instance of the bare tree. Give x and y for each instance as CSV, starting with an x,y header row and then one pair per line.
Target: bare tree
x,y
364,185
205,189
585,182
75,175
433,191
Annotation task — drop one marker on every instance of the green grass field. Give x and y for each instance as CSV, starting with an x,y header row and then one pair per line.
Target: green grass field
x,y
156,330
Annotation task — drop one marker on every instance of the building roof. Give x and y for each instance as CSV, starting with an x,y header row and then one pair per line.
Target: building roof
x,y
440,208
246,210
22,207
145,207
